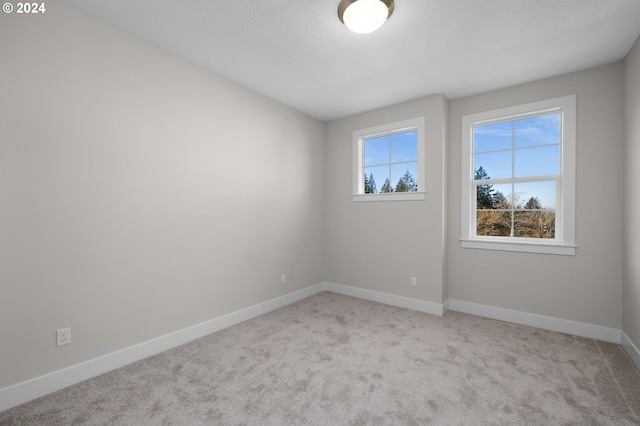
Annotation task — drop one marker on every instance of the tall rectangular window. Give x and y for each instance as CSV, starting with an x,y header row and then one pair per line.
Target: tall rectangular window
x,y
519,178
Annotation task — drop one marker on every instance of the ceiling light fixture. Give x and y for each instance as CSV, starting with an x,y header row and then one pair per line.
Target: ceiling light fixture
x,y
364,16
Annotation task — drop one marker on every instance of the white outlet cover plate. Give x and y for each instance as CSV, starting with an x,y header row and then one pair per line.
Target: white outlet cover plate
x,y
63,336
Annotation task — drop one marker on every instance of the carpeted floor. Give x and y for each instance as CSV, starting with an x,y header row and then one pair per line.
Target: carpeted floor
x,y
333,359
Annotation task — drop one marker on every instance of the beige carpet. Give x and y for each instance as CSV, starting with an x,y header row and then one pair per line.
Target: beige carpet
x,y
333,359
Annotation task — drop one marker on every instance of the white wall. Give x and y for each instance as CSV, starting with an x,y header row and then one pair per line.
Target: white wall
x,y
139,194
585,287
631,286
379,245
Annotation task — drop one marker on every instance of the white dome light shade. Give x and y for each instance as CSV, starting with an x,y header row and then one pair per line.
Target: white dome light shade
x,y
364,16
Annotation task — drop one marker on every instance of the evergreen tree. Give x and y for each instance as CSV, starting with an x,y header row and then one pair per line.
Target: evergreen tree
x,y
500,201
369,184
406,183
485,193
533,204
386,187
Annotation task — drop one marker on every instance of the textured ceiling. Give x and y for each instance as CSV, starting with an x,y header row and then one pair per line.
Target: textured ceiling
x,y
299,53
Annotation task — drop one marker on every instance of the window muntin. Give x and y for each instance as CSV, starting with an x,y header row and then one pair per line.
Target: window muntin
x,y
519,178
389,162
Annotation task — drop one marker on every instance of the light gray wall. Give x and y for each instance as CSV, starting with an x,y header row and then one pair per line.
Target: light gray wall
x,y
585,287
124,213
380,245
139,194
631,286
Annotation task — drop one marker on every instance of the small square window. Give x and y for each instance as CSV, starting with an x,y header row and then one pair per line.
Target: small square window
x,y
389,162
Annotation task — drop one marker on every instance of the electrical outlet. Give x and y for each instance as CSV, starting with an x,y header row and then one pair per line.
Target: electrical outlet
x,y
283,279
414,282
63,336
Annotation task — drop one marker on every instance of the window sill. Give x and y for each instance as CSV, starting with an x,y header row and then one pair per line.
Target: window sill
x,y
390,196
520,246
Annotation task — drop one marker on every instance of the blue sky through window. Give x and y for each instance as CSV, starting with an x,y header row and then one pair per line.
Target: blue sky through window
x,y
528,147
391,156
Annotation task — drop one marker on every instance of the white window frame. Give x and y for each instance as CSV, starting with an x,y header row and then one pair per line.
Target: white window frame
x,y
564,243
359,137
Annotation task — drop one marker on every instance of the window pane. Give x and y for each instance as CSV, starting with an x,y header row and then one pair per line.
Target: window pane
x,y
543,161
493,196
379,173
503,196
543,130
404,146
534,224
376,151
493,223
492,137
485,197
495,164
536,195
404,177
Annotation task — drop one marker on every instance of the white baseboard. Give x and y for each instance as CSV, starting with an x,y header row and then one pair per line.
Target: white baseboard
x,y
31,389
389,299
631,349
40,386
539,321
